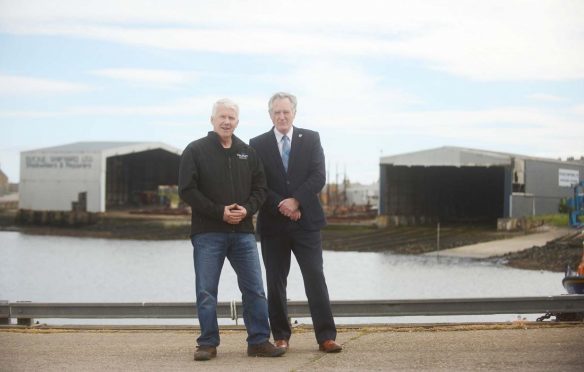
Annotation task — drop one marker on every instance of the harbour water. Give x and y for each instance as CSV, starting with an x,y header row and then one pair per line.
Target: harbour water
x,y
66,269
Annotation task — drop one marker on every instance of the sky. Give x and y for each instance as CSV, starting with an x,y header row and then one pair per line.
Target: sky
x,y
373,77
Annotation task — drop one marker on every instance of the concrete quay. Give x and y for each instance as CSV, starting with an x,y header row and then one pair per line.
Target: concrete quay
x,y
504,246
518,346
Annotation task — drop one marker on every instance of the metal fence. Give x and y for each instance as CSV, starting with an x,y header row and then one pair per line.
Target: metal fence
x,y
25,312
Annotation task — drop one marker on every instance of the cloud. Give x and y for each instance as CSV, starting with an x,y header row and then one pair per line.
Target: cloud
x,y
543,97
148,76
479,40
332,91
192,107
343,97
179,107
11,85
578,109
500,128
506,124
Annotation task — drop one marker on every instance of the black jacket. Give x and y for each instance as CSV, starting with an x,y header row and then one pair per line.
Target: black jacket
x,y
304,180
211,177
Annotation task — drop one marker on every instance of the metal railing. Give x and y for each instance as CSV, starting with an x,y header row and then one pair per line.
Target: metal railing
x,y
25,312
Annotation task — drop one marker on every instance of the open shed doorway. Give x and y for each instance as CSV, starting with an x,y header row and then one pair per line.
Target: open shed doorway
x,y
133,180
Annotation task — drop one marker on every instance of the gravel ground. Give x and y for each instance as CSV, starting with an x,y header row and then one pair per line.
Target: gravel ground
x,y
554,256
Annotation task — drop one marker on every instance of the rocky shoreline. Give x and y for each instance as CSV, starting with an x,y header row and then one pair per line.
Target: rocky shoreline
x,y
555,255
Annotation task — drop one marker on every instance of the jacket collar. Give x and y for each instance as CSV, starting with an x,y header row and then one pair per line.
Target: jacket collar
x,y
236,143
279,135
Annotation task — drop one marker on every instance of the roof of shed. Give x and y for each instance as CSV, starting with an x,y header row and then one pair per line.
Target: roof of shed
x,y
108,148
457,157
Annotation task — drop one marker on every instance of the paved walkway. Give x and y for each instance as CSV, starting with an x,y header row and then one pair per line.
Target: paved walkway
x,y
495,347
501,247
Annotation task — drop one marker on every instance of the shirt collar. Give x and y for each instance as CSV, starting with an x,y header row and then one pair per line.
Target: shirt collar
x,y
280,135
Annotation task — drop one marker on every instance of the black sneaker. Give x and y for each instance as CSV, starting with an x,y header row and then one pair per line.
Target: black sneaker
x,y
205,352
266,349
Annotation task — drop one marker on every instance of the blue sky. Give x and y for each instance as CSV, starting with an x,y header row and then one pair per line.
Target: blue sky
x,y
373,77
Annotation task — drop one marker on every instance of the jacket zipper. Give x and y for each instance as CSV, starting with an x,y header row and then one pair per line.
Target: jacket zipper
x,y
231,182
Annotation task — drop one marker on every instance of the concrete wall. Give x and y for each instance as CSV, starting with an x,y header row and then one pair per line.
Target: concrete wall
x,y
522,205
53,180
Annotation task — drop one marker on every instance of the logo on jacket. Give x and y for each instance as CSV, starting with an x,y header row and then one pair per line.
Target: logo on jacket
x,y
242,156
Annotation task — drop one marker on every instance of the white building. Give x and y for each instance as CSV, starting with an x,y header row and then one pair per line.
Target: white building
x,y
99,175
359,194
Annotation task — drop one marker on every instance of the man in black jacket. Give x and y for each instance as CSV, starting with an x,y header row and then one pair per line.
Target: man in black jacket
x,y
223,181
291,218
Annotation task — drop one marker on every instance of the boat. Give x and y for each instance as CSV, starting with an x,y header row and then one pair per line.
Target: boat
x,y
574,280
574,284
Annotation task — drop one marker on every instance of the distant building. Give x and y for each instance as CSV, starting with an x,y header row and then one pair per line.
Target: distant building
x,y
359,194
95,176
460,184
9,201
4,185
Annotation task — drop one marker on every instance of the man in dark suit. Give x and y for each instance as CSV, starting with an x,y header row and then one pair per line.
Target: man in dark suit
x,y
291,218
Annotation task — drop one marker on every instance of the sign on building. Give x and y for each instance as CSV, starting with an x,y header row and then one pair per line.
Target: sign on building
x,y
568,177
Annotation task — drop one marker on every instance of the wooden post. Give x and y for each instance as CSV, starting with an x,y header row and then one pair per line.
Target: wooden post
x,y
438,241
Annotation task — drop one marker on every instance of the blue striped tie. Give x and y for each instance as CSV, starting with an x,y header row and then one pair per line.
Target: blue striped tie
x,y
285,151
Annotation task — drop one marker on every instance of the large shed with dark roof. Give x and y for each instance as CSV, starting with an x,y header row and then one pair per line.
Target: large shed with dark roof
x,y
95,176
455,184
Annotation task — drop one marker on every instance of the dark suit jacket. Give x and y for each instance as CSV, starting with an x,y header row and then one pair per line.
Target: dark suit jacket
x,y
305,178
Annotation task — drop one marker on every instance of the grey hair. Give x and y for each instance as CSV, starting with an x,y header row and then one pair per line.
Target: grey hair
x,y
283,95
225,102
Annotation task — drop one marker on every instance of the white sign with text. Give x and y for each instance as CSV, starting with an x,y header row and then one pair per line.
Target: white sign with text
x,y
568,177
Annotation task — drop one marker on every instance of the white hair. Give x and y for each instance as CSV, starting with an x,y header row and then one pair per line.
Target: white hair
x,y
225,102
283,95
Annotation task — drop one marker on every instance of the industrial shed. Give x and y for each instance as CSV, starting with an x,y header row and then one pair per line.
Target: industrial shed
x,y
95,176
453,184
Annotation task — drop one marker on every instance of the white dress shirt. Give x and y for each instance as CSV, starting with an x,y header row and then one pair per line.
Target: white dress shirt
x,y
279,138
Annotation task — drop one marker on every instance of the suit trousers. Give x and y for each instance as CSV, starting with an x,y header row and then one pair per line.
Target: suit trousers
x,y
307,248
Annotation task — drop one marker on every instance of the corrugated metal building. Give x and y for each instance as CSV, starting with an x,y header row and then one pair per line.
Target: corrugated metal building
x,y
460,184
95,175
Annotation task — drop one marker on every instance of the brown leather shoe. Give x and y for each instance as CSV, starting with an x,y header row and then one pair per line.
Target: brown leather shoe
x,y
330,346
282,344
205,352
266,349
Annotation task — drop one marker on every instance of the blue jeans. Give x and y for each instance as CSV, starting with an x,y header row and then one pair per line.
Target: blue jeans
x,y
209,253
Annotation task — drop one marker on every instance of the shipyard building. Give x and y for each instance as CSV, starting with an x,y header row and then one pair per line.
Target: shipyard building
x,y
96,176
453,184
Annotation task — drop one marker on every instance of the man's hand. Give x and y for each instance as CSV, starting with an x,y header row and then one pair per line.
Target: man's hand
x,y
234,214
296,215
289,207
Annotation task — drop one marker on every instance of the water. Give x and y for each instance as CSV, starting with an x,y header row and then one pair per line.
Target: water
x,y
64,269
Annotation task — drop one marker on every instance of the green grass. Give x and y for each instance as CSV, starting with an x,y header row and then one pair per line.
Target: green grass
x,y
560,220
